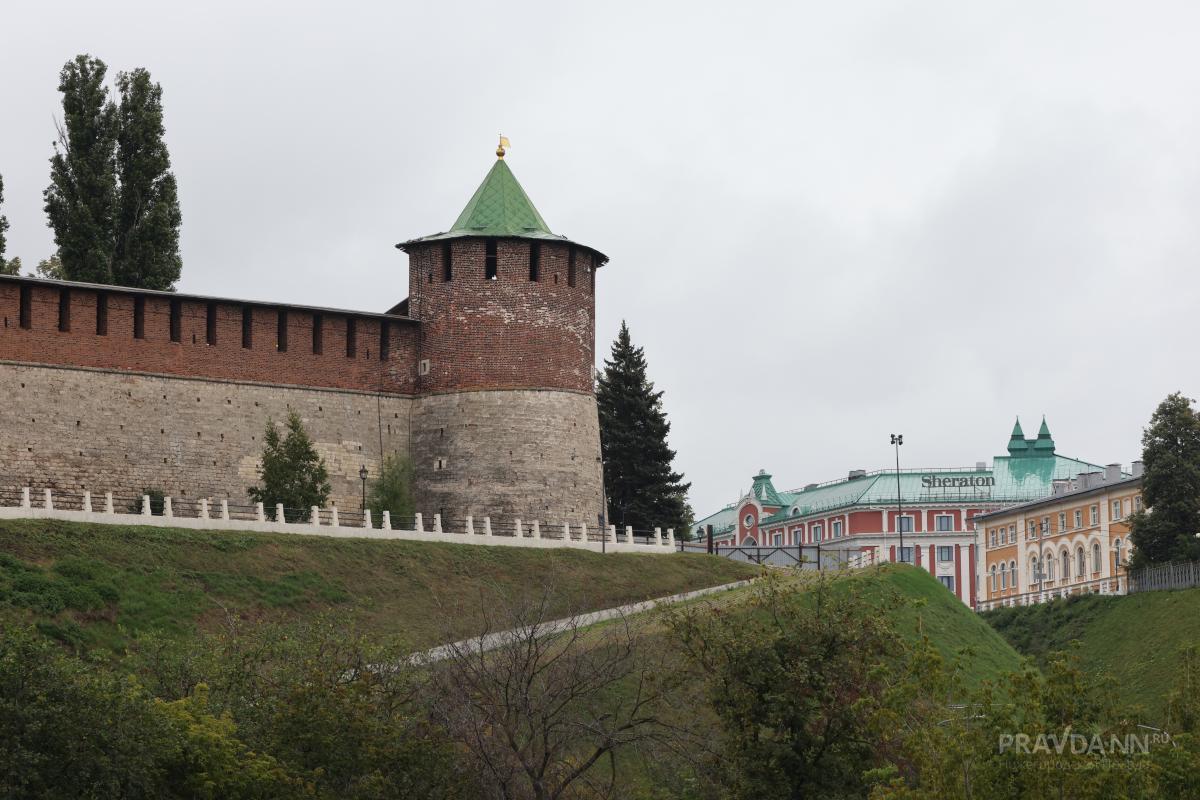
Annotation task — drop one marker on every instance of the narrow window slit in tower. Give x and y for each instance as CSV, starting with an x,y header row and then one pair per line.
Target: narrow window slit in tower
x,y
101,313
318,345
535,259
64,310
139,318
571,266
489,262
176,321
385,335
351,336
447,262
247,327
26,307
210,324
281,331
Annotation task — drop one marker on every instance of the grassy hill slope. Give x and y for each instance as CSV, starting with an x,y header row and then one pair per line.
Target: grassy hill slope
x,y
97,585
1136,639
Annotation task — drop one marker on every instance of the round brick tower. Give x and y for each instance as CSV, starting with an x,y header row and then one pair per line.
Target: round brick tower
x,y
504,423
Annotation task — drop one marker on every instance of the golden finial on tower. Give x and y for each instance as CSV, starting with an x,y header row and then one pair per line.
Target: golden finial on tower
x,y
504,145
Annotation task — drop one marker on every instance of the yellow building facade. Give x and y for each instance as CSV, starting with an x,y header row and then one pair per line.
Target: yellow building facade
x,y
1075,541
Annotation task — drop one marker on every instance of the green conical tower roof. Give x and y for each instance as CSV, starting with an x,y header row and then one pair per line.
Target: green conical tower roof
x,y
1044,444
764,490
1016,443
499,208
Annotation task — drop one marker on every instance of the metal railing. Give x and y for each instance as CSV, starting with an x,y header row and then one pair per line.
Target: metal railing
x,y
1165,577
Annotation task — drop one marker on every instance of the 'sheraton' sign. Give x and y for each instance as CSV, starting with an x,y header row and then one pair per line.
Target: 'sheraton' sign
x,y
934,482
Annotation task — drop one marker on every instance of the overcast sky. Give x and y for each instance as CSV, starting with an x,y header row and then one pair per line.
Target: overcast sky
x,y
827,221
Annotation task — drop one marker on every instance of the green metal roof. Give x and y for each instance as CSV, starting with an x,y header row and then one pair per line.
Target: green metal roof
x,y
501,208
764,490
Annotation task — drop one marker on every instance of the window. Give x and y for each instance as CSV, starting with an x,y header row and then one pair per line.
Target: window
x,y
835,529
26,307
1062,521
818,532
1116,509
210,324
318,333
906,524
351,337
1048,563
948,581
945,553
777,539
1117,551
571,266
1045,526
1137,503
1078,519
281,328
64,310
906,555
247,327
1033,570
1080,564
1094,514
1004,576
489,260
992,537
102,313
139,318
1012,534
748,521
1095,556
535,259
447,263
385,339
943,522
1065,557
176,321
994,584
1012,571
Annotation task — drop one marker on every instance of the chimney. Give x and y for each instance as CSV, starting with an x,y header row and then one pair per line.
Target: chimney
x,y
1060,486
1137,469
1081,482
1112,473
855,474
981,466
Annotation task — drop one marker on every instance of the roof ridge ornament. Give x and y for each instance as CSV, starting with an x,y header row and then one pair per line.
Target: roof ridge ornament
x,y
503,147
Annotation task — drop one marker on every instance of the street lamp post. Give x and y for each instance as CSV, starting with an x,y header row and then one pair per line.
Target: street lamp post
x,y
897,440
362,476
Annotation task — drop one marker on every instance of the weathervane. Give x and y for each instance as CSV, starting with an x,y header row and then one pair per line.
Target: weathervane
x,y
504,145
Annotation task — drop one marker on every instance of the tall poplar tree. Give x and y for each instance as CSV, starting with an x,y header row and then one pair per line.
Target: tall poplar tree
x,y
643,490
82,197
3,227
112,201
1170,486
148,216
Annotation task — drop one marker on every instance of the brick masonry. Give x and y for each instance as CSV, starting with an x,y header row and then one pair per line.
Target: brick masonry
x,y
112,389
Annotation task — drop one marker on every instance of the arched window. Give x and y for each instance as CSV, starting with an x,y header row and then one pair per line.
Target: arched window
x,y
1066,565
749,542
993,577
1048,563
1117,550
1033,569
1095,556
1012,570
1080,564
1004,576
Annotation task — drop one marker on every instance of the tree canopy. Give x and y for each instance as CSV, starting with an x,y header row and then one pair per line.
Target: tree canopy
x,y
292,472
642,488
1170,485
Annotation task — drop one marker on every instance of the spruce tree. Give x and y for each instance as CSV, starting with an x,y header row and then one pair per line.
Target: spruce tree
x,y
1170,486
148,216
82,197
292,472
642,488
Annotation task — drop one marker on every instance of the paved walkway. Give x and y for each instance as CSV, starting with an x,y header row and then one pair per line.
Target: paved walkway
x,y
493,640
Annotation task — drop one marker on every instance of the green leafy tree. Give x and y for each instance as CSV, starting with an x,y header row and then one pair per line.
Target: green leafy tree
x,y
113,202
642,488
392,490
1170,486
3,231
51,268
292,471
147,216
10,267
81,200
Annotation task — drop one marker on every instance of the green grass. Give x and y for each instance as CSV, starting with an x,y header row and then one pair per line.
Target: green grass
x,y
95,586
1136,640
